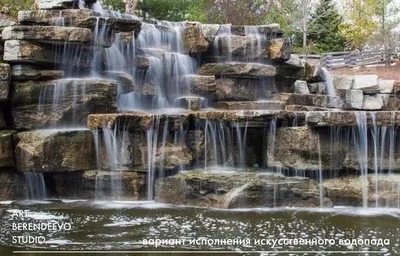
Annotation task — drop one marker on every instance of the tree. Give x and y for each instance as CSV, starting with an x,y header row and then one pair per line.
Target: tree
x,y
114,5
172,10
237,12
130,6
324,28
360,24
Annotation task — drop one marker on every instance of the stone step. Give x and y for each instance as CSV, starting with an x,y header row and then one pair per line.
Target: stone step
x,y
83,18
250,105
48,34
349,118
55,151
143,121
315,100
29,52
29,72
237,69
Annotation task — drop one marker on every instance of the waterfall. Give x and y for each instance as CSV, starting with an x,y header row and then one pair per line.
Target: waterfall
x,y
363,154
36,185
327,78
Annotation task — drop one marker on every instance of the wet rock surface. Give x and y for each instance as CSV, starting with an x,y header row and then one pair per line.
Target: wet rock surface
x,y
55,151
382,190
219,189
237,69
34,105
48,34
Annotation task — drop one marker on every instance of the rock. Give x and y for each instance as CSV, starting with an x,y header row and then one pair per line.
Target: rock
x,y
55,151
20,51
192,103
323,101
12,185
386,86
237,69
124,80
396,87
83,18
250,105
39,105
297,148
235,89
170,156
366,83
301,87
279,50
5,79
229,190
29,72
193,40
48,34
352,99
242,47
142,62
342,82
209,32
6,149
349,190
373,102
349,118
204,86
317,88
100,185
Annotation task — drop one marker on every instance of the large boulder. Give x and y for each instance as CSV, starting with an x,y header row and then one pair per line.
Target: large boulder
x,y
193,40
235,89
5,79
55,151
219,189
342,82
22,51
48,34
349,190
278,50
6,149
297,148
237,69
204,86
366,83
242,47
61,102
352,99
83,18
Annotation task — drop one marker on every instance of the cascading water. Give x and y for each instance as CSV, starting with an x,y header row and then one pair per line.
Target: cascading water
x,y
35,185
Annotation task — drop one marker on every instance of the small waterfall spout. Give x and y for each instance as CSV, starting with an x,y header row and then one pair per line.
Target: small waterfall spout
x,y
35,185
